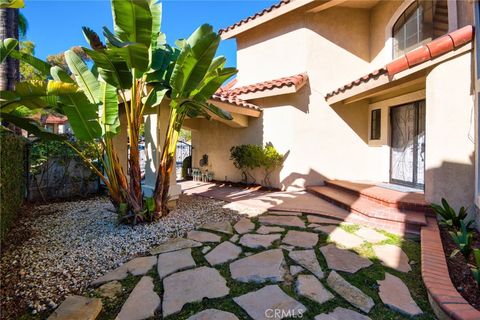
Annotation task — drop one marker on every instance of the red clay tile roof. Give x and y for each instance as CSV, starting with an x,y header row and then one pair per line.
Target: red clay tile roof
x,y
434,49
224,97
55,119
256,15
297,81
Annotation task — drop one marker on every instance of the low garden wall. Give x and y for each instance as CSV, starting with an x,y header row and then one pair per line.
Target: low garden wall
x,y
12,178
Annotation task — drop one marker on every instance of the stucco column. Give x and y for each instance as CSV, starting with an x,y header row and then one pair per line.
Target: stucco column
x,y
155,129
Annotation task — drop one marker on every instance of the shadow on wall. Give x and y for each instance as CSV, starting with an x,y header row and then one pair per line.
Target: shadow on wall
x,y
299,100
355,115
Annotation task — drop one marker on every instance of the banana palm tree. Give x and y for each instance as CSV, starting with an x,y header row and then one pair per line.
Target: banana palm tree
x,y
134,71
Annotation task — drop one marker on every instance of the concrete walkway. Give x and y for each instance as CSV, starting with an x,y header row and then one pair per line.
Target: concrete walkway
x,y
296,201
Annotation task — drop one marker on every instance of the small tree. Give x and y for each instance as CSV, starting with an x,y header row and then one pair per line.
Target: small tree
x,y
271,159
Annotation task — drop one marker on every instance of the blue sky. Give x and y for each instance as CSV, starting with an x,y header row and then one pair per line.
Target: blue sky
x,y
55,26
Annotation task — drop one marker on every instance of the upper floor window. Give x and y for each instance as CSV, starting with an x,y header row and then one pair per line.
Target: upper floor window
x,y
422,21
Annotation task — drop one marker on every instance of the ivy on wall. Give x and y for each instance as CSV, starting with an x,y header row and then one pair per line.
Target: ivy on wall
x,y
12,178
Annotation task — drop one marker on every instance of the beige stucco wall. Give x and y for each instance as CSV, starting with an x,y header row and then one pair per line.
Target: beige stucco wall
x,y
450,134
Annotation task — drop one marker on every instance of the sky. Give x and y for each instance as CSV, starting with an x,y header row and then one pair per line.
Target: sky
x,y
55,26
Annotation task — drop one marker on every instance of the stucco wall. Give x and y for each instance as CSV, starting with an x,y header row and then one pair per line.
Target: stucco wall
x,y
450,172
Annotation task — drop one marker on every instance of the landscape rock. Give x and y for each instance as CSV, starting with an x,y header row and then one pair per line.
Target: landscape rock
x,y
294,270
234,238
370,235
287,221
142,302
137,266
340,313
244,225
395,294
213,314
393,257
287,247
341,237
258,304
175,244
256,241
260,267
206,249
308,260
110,289
267,230
352,294
174,261
309,286
222,227
224,252
202,236
77,308
300,239
343,260
192,286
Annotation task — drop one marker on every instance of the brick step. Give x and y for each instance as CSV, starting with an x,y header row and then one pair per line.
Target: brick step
x,y
391,198
369,209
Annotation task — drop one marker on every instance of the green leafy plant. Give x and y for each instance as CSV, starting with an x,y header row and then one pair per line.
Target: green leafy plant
x,y
271,160
449,217
463,239
476,268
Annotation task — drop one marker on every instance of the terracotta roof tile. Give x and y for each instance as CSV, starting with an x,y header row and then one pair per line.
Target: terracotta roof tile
x,y
434,49
224,97
54,119
256,15
297,81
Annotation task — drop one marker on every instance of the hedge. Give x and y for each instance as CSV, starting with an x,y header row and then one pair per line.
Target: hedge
x,y
12,178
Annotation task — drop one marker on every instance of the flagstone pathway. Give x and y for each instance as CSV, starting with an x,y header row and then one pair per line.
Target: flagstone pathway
x,y
272,267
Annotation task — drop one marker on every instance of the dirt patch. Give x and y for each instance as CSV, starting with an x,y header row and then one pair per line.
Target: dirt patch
x,y
460,272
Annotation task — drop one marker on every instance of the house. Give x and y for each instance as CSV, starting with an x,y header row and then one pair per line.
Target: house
x,y
356,91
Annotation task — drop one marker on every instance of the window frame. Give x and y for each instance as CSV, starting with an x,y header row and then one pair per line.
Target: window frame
x,y
376,124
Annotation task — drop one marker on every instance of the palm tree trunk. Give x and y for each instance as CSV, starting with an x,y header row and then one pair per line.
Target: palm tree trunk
x,y
10,68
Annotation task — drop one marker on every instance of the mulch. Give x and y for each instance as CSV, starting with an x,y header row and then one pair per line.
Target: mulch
x,y
460,272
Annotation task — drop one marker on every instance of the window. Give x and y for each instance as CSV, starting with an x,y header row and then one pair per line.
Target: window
x,y
375,124
414,27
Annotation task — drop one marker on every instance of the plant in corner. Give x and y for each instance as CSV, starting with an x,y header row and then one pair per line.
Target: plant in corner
x,y
449,217
271,160
476,268
463,239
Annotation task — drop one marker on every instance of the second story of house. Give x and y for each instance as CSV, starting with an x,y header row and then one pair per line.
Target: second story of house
x,y
337,41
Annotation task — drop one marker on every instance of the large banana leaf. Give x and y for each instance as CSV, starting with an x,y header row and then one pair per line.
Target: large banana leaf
x,y
156,95
14,4
82,116
156,12
85,79
29,125
60,75
111,67
42,66
133,21
135,54
7,46
109,109
93,39
211,83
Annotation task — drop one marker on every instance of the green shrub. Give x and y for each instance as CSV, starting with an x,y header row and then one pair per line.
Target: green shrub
x,y
476,268
270,161
186,164
12,178
449,217
463,239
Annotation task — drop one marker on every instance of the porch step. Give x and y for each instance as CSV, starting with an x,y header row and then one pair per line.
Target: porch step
x,y
373,212
391,198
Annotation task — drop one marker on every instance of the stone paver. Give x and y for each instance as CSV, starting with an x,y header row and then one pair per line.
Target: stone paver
x,y
308,260
294,270
309,286
224,252
175,244
256,241
287,221
77,308
222,227
352,294
262,304
340,313
192,286
141,303
394,293
202,236
300,239
393,257
370,235
234,238
213,314
206,249
285,213
260,267
341,237
267,230
323,220
174,261
110,289
343,260
138,266
244,226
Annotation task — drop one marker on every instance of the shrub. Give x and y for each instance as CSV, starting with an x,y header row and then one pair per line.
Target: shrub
x,y
463,239
449,217
12,178
270,161
186,164
476,268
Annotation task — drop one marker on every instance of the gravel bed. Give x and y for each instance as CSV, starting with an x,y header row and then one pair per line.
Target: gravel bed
x,y
72,243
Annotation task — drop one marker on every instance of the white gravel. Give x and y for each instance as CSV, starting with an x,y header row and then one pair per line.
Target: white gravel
x,y
81,240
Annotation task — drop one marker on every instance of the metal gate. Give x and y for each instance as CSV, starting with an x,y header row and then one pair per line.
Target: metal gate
x,y
183,150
